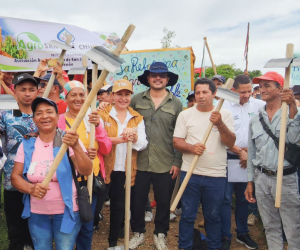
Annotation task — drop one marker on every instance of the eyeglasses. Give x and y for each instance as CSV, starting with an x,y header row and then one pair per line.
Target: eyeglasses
x,y
42,85
161,75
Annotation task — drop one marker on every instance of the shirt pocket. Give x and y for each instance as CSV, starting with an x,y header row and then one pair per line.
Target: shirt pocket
x,y
258,136
168,115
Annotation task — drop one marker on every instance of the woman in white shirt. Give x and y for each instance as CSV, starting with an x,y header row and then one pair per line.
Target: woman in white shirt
x,y
122,124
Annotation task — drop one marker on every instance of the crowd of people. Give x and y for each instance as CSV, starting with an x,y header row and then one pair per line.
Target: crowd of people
x,y
165,138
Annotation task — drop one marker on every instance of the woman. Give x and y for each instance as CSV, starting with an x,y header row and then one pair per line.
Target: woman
x,y
75,98
122,124
52,210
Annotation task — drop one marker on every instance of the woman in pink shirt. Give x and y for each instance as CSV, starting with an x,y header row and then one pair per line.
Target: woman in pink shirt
x,y
52,209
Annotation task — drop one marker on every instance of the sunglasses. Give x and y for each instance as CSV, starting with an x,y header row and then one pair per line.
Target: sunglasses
x,y
161,75
42,85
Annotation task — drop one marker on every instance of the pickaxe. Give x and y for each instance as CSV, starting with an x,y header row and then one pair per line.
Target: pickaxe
x,y
65,47
223,94
89,100
283,63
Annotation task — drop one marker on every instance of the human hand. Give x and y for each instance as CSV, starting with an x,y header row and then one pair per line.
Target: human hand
x,y
243,159
71,138
216,118
43,65
94,118
129,134
249,192
287,96
92,153
102,105
39,190
198,149
175,171
58,70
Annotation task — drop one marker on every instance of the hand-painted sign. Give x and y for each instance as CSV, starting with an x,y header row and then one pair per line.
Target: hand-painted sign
x,y
179,60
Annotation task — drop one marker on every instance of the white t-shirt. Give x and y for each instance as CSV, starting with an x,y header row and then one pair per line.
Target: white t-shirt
x,y
191,125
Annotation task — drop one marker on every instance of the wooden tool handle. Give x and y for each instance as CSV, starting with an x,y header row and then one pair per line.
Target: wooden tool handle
x,y
85,107
284,109
212,62
60,60
127,193
189,173
84,64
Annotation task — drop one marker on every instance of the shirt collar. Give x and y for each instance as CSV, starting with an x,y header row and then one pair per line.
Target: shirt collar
x,y
113,113
147,94
18,113
250,100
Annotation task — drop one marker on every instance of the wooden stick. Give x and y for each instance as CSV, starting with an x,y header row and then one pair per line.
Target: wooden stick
x,y
247,48
92,132
84,64
212,62
228,85
127,193
284,110
175,191
60,60
87,104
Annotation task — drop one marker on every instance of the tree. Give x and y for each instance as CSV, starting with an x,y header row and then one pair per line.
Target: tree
x,y
229,71
166,41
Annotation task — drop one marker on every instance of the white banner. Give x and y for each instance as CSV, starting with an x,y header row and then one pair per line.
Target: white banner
x,y
24,43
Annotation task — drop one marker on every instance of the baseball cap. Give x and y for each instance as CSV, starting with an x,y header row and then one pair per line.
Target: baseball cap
x,y
25,77
270,76
296,89
122,84
39,100
220,78
47,78
106,88
190,94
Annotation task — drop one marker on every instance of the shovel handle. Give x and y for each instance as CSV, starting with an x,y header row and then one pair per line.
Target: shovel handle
x,y
84,64
60,60
212,62
189,173
282,136
86,106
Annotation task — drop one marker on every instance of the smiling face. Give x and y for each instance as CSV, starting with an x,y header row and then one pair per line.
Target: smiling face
x,y
8,78
122,98
203,95
26,92
75,99
269,91
158,81
245,92
45,117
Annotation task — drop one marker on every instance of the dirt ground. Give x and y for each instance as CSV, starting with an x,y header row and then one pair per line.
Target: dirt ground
x,y
100,237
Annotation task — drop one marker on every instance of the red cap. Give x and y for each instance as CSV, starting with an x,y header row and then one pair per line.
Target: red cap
x,y
270,76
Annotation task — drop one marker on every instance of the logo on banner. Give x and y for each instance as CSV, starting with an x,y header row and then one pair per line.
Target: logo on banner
x,y
62,35
34,41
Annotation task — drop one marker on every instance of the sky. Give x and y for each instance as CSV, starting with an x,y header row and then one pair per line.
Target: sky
x,y
273,24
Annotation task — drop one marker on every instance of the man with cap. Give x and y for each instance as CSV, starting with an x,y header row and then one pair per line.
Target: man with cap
x,y
104,94
159,163
14,124
191,99
218,81
237,155
262,163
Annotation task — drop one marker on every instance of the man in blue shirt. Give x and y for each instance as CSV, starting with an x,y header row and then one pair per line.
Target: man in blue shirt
x,y
14,124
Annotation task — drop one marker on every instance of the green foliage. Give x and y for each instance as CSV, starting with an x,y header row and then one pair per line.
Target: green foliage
x,y
10,47
166,41
229,71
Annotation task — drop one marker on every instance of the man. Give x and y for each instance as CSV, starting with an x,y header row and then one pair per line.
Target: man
x,y
207,182
191,99
7,78
262,164
242,114
218,80
256,91
104,94
158,164
296,90
14,125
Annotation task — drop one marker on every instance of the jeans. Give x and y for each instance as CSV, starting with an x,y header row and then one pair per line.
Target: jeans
x,y
44,228
140,191
85,235
117,205
210,190
18,231
241,209
287,215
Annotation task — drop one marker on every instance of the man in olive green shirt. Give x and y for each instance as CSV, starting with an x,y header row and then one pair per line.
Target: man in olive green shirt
x,y
159,163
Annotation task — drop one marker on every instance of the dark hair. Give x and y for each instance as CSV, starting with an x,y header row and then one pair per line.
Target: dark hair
x,y
241,79
207,81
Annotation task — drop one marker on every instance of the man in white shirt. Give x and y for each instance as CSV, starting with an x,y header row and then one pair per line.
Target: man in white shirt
x,y
208,179
237,155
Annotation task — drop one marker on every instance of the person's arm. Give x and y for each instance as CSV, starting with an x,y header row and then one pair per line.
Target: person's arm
x,y
182,146
42,67
58,70
104,142
81,161
141,142
227,137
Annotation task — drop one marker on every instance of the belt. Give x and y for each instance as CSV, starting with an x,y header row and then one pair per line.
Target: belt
x,y
286,171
